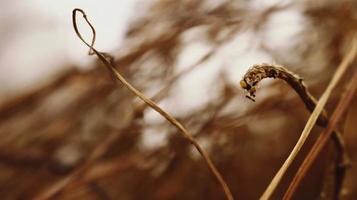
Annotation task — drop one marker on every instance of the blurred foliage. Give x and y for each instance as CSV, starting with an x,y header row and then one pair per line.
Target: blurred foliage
x,y
48,133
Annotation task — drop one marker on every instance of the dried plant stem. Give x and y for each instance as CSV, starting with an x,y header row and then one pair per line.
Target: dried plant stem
x,y
171,119
322,140
311,122
104,145
257,73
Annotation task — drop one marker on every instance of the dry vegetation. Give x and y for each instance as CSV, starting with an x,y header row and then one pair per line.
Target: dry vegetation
x,y
82,136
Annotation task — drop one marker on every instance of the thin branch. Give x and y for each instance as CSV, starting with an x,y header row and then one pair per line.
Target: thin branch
x,y
322,140
108,64
312,120
102,170
258,72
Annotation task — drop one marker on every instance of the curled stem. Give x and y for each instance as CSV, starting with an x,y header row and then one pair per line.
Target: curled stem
x,y
185,133
259,72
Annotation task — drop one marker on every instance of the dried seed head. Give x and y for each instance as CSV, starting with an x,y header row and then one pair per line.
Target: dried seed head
x,y
253,76
259,72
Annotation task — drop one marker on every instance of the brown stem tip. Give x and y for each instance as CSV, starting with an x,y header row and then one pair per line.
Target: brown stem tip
x,y
260,71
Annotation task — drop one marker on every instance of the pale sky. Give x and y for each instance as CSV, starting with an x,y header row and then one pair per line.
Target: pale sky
x,y
38,42
39,39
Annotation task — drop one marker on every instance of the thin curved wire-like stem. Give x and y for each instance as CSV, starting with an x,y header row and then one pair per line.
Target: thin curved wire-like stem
x,y
75,175
322,139
185,133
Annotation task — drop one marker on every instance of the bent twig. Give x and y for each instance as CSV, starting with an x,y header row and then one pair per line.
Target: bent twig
x,y
259,72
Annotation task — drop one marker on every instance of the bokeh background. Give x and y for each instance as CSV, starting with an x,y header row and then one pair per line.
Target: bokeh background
x,y
62,115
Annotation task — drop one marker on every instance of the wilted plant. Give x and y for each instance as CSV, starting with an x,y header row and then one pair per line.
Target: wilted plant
x,y
259,72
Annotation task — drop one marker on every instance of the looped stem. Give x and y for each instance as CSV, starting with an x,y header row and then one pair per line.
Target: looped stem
x,y
185,133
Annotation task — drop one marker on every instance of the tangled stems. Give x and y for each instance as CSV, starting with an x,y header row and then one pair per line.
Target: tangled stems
x,y
249,82
185,133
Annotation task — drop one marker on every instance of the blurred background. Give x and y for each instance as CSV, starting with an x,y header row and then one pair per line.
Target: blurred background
x,y
62,115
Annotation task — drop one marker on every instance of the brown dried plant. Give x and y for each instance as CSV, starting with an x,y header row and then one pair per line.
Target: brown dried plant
x,y
258,72
83,115
107,60
322,141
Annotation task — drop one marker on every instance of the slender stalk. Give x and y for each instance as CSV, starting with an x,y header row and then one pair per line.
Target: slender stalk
x,y
186,134
322,141
107,60
259,72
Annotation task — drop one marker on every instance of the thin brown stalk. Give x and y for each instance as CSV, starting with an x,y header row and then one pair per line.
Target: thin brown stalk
x,y
322,141
258,72
249,84
311,122
186,134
